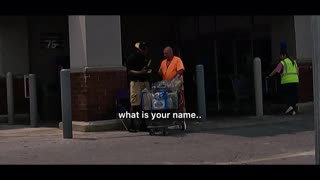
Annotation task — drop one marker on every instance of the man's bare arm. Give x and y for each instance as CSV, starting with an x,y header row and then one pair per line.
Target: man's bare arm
x,y
160,72
180,73
138,72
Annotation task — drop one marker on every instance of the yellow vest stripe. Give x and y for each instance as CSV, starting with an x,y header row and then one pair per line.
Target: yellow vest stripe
x,y
289,72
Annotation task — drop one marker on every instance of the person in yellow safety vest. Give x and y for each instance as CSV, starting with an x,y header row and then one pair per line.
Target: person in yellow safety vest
x,y
289,72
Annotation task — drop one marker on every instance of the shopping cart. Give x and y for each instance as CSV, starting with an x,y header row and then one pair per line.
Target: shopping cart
x,y
122,104
161,125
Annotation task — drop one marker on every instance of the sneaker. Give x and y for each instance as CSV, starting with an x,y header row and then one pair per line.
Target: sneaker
x,y
143,127
289,109
293,113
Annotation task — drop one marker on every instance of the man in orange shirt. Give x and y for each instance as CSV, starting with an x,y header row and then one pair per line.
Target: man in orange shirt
x,y
171,67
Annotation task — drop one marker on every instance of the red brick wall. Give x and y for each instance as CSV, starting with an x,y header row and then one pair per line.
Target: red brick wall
x,y
93,93
306,82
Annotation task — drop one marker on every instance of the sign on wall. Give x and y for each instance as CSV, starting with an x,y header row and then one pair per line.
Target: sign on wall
x,y
52,41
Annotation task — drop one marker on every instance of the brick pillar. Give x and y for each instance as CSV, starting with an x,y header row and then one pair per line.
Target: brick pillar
x,y
303,38
96,66
306,82
93,92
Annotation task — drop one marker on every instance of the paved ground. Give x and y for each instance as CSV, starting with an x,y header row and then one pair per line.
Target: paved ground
x,y
245,140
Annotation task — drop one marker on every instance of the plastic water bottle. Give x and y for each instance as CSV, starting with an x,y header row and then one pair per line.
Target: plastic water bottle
x,y
170,103
145,90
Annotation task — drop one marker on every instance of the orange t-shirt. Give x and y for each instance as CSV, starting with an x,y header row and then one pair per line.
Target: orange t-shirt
x,y
169,69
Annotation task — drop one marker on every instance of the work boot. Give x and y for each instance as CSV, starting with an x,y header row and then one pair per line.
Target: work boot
x,y
132,127
143,127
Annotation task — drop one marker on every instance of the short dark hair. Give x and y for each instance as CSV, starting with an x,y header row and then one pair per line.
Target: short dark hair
x,y
284,53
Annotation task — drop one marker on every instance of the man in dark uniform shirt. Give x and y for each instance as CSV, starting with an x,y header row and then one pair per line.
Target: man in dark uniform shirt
x,y
138,75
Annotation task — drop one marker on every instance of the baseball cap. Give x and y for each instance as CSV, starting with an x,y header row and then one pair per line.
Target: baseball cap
x,y
141,45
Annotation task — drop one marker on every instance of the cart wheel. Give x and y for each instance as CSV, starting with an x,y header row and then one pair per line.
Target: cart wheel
x,y
151,132
184,125
164,132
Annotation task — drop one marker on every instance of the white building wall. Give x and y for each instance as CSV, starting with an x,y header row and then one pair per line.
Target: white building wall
x,y
302,26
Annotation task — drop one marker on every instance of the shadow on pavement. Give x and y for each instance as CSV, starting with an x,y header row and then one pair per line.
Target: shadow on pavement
x,y
271,129
23,124
86,139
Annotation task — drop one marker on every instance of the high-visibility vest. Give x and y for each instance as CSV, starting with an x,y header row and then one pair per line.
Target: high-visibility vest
x,y
289,72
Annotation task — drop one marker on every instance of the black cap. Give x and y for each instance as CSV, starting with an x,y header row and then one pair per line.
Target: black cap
x,y
141,45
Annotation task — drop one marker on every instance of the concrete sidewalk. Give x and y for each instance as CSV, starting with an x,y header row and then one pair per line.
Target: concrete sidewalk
x,y
193,125
304,109
220,140
244,121
212,123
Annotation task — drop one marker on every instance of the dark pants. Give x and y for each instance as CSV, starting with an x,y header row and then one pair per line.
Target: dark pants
x,y
137,123
290,94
